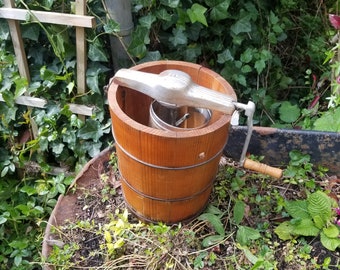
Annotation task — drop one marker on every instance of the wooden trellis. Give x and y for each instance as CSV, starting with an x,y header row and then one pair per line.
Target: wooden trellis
x,y
79,20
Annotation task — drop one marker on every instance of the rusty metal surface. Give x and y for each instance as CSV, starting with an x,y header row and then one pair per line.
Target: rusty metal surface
x,y
275,145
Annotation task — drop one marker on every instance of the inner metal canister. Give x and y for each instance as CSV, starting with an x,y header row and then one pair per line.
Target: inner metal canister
x,y
168,117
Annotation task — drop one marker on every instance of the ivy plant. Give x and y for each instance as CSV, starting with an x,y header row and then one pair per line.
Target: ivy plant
x,y
253,45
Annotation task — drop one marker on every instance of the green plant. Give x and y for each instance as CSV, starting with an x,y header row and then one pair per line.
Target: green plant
x,y
298,169
25,206
63,254
262,49
213,215
311,217
329,119
61,137
116,231
34,141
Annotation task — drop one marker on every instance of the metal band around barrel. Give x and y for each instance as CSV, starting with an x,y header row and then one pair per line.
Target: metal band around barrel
x,y
165,167
163,199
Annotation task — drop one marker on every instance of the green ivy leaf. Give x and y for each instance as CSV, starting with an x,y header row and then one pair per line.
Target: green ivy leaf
x,y
241,79
47,4
91,130
21,86
111,27
220,11
273,18
162,14
147,21
140,37
289,112
57,148
246,69
247,56
260,66
199,260
297,158
196,14
4,31
31,31
92,149
241,26
151,56
170,3
224,56
97,52
192,52
93,74
179,37
8,97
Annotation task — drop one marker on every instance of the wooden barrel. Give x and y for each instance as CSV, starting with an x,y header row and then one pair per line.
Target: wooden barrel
x,y
166,176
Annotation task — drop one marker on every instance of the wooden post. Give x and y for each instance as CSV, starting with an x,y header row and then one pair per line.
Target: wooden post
x,y
20,55
14,15
81,50
18,44
79,20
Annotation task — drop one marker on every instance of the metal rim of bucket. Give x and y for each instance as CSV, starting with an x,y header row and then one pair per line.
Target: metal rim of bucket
x,y
157,122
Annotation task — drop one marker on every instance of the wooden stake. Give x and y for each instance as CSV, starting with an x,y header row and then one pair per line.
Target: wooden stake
x,y
81,50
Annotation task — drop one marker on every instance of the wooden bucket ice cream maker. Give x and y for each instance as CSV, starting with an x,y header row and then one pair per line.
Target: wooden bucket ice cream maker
x,y
170,123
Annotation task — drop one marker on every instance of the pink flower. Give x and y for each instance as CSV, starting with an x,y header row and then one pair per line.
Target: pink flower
x,y
335,20
338,80
337,211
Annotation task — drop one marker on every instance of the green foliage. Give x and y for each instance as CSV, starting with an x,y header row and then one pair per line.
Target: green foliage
x,y
298,169
33,140
329,121
245,234
116,231
260,48
213,215
289,113
311,217
25,206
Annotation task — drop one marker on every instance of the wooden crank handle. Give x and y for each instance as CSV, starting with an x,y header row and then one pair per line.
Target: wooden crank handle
x,y
262,168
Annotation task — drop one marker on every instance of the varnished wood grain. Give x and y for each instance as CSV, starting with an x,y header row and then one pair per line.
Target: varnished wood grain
x,y
168,174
